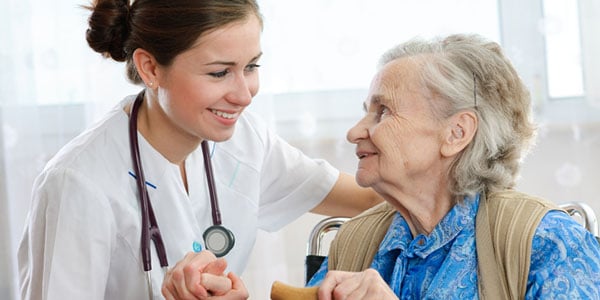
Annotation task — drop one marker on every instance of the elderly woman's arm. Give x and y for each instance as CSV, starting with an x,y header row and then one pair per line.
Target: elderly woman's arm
x,y
565,260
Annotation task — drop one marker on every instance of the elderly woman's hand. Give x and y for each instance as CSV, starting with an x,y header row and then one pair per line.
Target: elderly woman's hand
x,y
367,284
201,276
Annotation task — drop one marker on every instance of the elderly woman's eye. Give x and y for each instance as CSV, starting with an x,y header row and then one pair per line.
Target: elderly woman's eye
x,y
382,111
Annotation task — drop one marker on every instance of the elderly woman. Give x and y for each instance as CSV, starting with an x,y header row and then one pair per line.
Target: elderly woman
x,y
446,125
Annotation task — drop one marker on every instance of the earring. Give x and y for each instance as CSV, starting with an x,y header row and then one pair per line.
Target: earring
x,y
150,84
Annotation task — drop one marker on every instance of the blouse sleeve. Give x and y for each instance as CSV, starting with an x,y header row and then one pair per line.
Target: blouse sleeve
x,y
565,260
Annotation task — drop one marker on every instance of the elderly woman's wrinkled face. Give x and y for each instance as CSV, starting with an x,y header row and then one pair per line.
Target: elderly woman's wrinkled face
x,y
398,140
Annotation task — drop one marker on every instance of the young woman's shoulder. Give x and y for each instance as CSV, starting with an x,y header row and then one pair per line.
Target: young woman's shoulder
x,y
97,150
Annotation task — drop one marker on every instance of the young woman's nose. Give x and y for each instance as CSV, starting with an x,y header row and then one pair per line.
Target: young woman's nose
x,y
243,90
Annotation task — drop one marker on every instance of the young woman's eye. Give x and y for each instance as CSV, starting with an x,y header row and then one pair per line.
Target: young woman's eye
x,y
219,74
252,67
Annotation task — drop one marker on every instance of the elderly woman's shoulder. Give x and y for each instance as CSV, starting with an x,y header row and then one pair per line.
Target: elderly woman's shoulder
x,y
556,225
516,199
563,249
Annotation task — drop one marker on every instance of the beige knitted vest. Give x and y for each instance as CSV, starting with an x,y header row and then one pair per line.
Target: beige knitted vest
x,y
505,224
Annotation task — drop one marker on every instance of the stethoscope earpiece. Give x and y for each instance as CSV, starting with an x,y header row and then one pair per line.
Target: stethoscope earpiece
x,y
218,240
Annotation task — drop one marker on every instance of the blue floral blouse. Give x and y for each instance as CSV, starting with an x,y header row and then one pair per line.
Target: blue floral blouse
x,y
565,259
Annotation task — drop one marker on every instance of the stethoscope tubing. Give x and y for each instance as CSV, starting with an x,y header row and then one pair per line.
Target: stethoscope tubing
x,y
216,213
150,228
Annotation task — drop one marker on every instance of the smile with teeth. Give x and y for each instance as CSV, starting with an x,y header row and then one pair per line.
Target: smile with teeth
x,y
223,114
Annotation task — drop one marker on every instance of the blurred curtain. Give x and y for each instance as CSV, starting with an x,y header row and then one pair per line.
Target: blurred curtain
x,y
51,87
6,263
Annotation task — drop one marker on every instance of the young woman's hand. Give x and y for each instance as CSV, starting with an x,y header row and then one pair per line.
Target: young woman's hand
x,y
201,276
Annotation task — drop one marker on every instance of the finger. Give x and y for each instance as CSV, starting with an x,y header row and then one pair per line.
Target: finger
x,y
364,285
166,287
216,267
216,284
192,270
172,283
184,278
167,293
237,283
330,282
238,290
186,281
348,287
351,288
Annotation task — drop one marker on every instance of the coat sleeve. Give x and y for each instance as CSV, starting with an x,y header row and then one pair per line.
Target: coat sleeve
x,y
67,240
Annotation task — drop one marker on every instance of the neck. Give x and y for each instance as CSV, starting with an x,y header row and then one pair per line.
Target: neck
x,y
163,135
432,200
423,204
424,217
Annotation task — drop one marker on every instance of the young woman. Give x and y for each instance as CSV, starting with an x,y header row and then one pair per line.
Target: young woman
x,y
198,62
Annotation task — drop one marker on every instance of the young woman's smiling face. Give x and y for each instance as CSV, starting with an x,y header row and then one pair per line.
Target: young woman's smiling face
x,y
206,88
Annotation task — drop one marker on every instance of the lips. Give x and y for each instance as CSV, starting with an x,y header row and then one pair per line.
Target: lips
x,y
363,154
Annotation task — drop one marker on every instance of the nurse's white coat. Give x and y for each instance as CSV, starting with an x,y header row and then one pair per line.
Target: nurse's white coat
x,y
82,238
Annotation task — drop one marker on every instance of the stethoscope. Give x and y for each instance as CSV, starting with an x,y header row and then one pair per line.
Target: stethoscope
x,y
217,239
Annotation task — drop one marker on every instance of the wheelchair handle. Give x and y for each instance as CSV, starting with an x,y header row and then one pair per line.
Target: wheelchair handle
x,y
282,291
319,231
586,212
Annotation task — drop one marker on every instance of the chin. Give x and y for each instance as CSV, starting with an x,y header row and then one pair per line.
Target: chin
x,y
225,136
219,139
362,180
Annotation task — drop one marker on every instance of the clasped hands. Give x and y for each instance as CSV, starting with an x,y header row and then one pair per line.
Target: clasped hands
x,y
202,276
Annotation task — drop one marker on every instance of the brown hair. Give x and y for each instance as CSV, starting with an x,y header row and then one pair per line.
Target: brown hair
x,y
165,28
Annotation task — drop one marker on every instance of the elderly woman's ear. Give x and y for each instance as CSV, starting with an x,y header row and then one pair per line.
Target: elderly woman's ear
x,y
458,133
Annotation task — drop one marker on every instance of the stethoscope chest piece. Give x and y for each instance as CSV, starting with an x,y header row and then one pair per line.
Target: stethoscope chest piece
x,y
218,240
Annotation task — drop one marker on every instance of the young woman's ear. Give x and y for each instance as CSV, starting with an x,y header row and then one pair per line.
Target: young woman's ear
x,y
147,67
459,132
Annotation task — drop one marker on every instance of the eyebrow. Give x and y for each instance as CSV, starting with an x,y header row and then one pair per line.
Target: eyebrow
x,y
230,63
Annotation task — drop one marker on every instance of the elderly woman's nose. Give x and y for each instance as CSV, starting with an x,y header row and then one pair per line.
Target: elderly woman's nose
x,y
357,132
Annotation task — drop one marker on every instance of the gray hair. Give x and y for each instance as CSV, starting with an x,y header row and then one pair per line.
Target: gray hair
x,y
468,72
